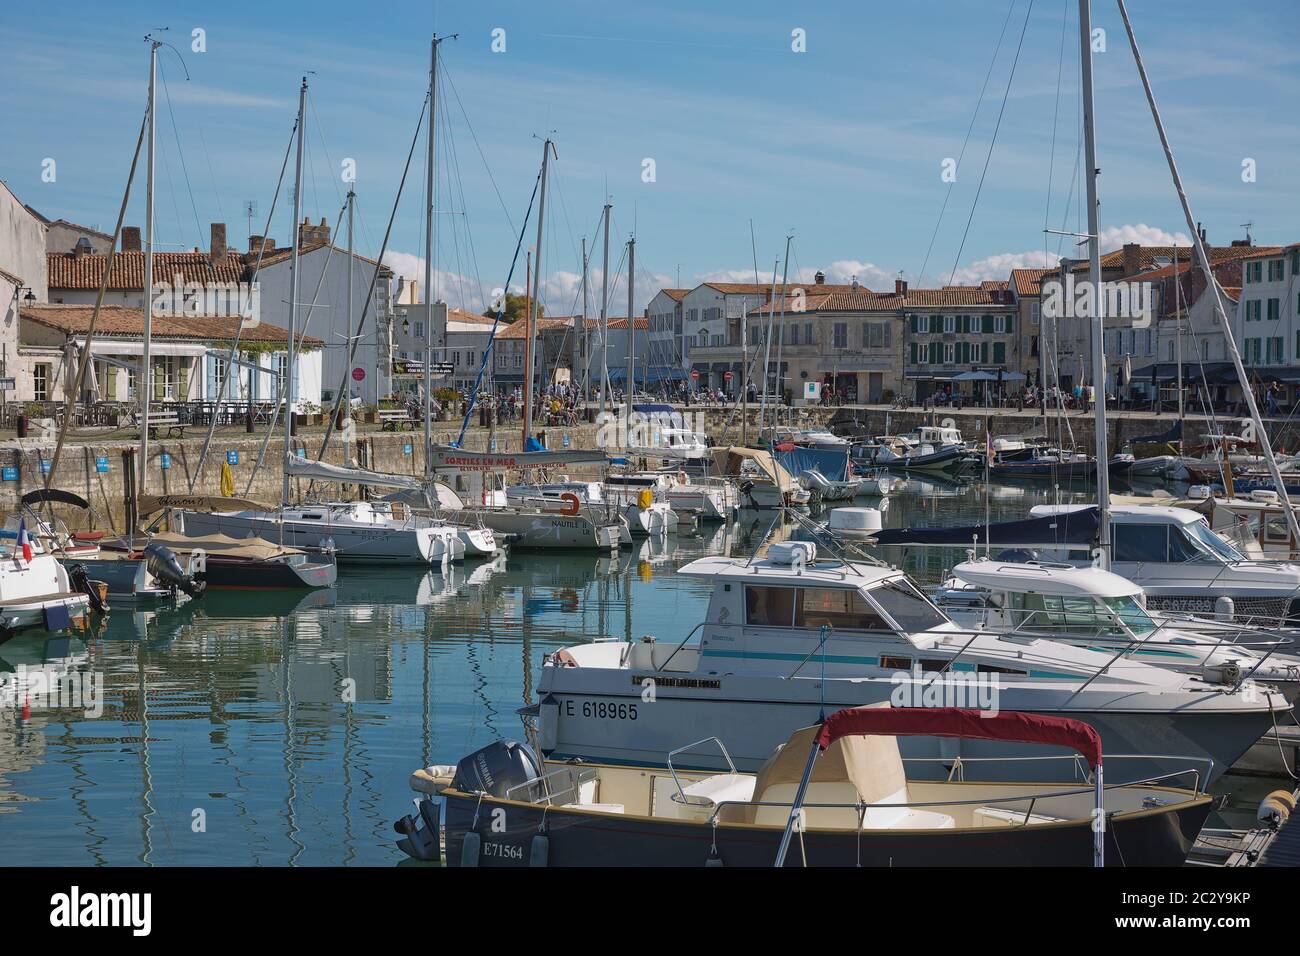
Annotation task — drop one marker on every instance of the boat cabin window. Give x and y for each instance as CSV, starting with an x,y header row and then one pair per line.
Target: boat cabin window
x,y
1140,542
1276,530
1210,543
843,609
1084,615
909,608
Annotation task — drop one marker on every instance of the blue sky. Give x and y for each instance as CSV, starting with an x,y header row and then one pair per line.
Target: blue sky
x,y
842,144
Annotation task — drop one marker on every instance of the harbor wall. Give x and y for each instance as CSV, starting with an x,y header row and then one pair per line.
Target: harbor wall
x,y
98,470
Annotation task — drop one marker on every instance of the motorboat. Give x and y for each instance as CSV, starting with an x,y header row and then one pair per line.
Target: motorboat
x,y
1182,565
932,449
656,430
788,637
761,480
36,591
810,437
708,498
538,524
251,564
1047,464
838,793
826,473
1090,607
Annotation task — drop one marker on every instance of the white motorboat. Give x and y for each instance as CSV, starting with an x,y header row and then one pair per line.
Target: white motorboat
x,y
35,590
1094,608
787,639
541,524
672,444
761,480
1182,565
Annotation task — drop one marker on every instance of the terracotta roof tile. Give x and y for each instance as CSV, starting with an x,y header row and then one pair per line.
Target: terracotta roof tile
x,y
69,271
1028,282
117,321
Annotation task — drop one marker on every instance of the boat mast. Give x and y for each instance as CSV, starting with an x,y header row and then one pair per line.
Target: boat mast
x,y
780,329
532,311
1203,261
581,330
631,323
352,196
1094,278
428,255
767,358
144,381
1178,339
604,314
287,388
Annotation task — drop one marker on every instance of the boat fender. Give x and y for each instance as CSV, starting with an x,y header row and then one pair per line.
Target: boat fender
x,y
1225,608
1276,808
645,499
539,852
572,504
469,849
548,716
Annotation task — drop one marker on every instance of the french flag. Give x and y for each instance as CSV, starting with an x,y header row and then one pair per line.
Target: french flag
x,y
24,541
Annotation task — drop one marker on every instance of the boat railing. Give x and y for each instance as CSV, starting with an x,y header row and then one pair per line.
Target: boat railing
x,y
1106,633
1031,799
680,796
578,775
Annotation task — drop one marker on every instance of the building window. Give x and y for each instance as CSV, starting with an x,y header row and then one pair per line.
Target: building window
x,y
999,353
1274,309
949,355
841,335
1275,269
950,323
41,381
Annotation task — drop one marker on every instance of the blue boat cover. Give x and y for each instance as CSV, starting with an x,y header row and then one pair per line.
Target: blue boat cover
x,y
1072,527
832,463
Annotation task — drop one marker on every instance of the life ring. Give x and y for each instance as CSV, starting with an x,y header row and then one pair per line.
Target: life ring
x,y
645,499
572,504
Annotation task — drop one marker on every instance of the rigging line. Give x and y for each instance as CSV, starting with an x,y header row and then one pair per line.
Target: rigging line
x,y
180,153
370,294
470,126
487,353
469,232
239,330
320,135
979,102
1056,114
992,142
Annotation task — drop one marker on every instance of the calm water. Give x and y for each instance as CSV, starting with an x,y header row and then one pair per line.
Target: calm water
x,y
283,728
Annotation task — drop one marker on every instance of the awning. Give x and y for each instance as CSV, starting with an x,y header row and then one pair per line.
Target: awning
x,y
969,724
136,347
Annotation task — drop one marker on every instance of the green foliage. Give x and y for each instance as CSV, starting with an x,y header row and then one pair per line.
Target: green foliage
x,y
516,308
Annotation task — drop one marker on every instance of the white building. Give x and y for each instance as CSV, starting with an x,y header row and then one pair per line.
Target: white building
x,y
667,346
22,277
458,339
1267,324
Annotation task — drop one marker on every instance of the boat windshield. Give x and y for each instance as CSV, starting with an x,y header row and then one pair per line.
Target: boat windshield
x,y
1207,543
1132,614
909,609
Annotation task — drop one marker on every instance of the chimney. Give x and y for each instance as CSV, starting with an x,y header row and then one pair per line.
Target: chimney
x,y
81,249
900,287
309,235
820,278
1132,258
217,249
130,238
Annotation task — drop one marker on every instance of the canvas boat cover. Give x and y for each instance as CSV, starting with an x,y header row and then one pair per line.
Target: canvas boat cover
x,y
830,463
729,461
221,545
970,724
321,471
1079,528
152,503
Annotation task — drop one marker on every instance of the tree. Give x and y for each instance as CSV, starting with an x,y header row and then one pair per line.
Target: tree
x,y
516,308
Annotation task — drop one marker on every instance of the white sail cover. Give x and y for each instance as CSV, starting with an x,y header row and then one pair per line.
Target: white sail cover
x,y
321,471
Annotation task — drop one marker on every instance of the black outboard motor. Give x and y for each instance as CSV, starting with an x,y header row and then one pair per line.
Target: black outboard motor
x,y
81,583
164,566
496,769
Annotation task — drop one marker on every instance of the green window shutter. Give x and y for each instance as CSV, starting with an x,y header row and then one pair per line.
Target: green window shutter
x,y
914,347
184,372
999,353
988,325
110,383
159,382
984,352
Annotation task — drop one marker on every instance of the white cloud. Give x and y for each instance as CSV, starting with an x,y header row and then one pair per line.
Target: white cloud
x,y
1115,237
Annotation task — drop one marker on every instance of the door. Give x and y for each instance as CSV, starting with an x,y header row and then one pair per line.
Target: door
x,y
875,387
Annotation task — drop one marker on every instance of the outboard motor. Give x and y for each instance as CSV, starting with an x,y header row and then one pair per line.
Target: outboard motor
x,y
163,565
497,768
81,583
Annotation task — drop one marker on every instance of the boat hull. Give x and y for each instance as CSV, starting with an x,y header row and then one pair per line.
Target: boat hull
x,y
352,544
533,531
1162,836
271,575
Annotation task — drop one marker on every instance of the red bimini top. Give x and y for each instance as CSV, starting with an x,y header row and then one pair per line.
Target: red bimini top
x,y
955,722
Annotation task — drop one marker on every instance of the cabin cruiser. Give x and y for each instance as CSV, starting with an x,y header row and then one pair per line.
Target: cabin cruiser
x,y
1094,608
842,785
656,430
35,590
1255,523
814,437
787,638
641,511
708,498
929,448
1182,565
356,532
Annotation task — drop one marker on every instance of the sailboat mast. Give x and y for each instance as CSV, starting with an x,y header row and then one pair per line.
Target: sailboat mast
x,y
428,256
581,330
287,388
604,315
1203,261
529,340
1178,335
144,381
780,329
1094,279
352,198
631,323
767,358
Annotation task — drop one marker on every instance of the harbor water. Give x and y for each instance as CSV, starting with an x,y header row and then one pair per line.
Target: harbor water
x,y
279,728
